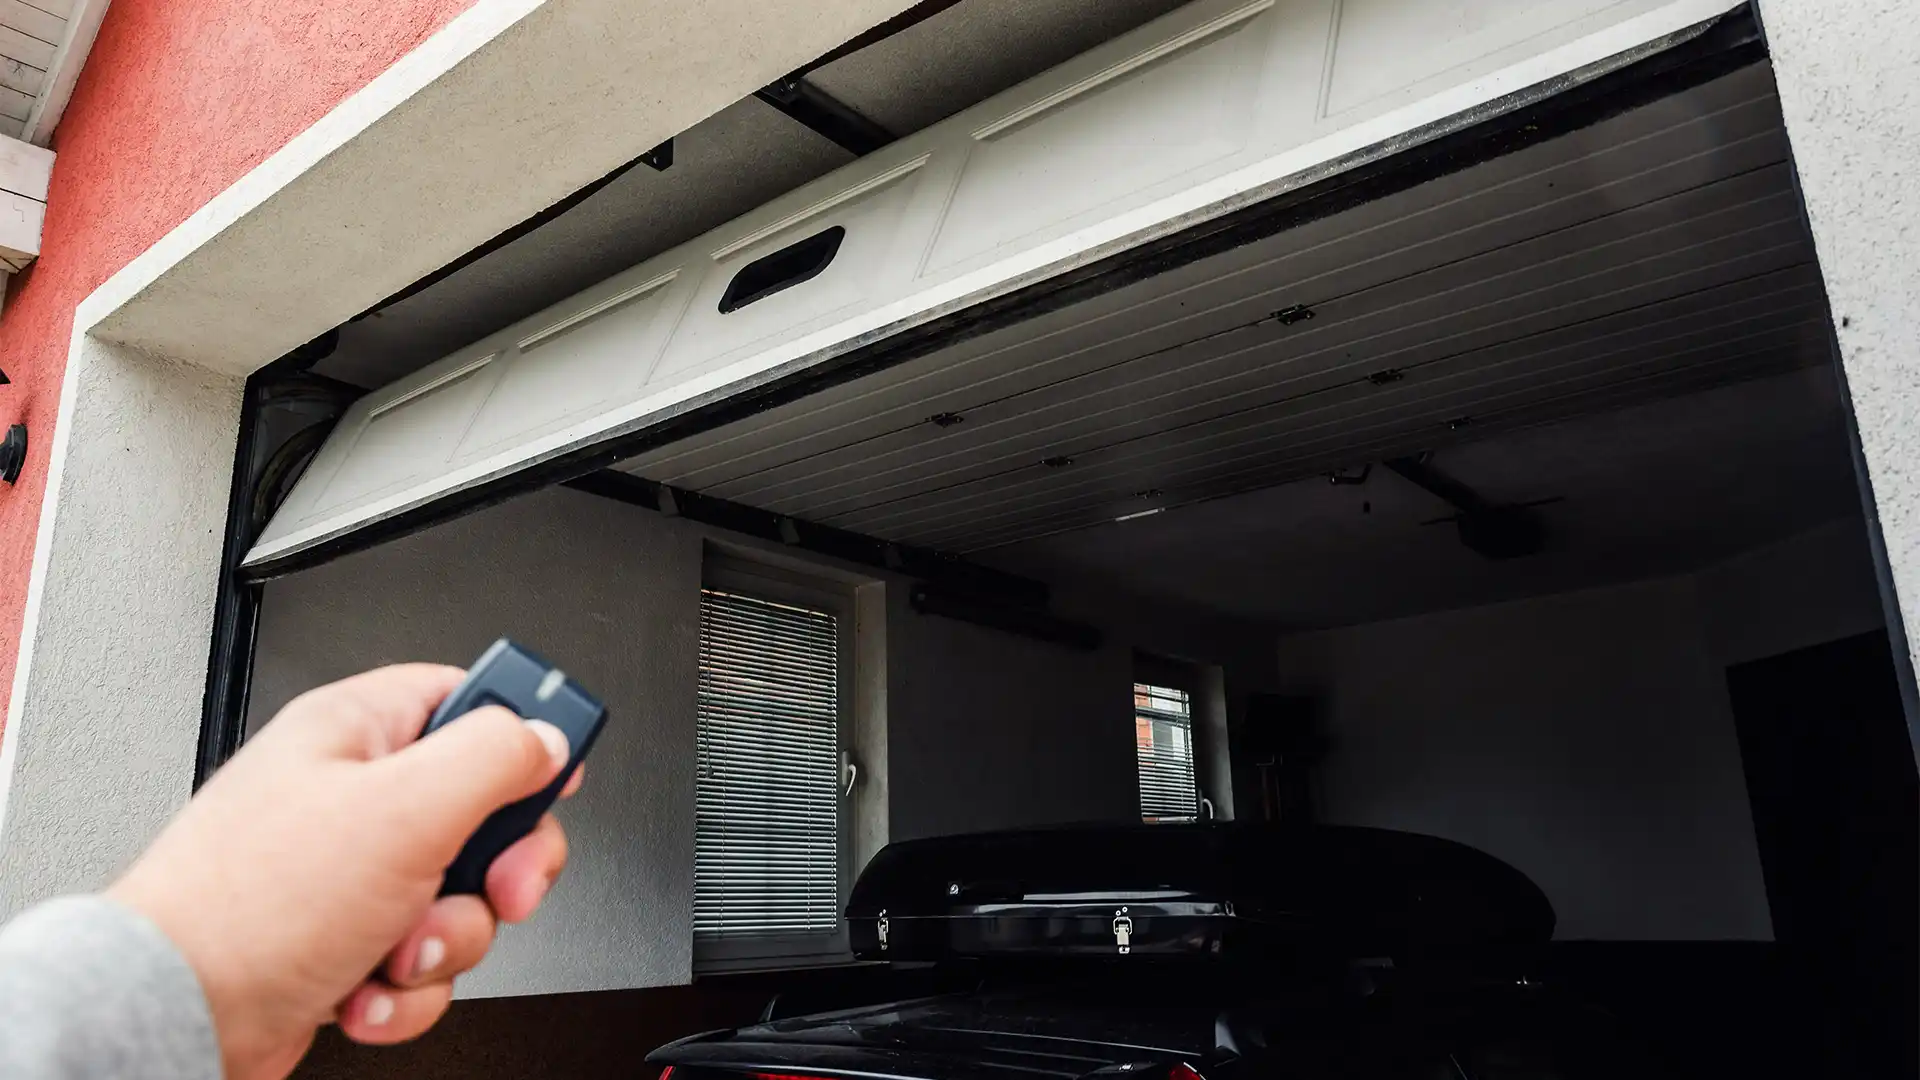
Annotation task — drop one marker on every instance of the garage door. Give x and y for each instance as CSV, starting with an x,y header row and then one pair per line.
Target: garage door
x,y
1212,109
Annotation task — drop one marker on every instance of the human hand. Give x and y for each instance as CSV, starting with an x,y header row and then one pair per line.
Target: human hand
x,y
315,857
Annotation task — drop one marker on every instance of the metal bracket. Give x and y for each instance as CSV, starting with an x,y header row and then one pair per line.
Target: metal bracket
x,y
826,115
660,158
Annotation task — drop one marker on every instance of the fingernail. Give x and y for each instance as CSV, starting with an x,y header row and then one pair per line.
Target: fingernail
x,y
538,893
557,746
432,951
379,1010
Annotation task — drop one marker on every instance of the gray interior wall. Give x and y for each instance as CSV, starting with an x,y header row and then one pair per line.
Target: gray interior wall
x,y
1817,586
1585,737
1235,656
612,592
958,728
990,731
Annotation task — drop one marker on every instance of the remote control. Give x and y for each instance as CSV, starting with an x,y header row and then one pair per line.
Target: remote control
x,y
509,675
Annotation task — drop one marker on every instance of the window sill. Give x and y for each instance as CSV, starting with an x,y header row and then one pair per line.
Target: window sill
x,y
746,965
771,952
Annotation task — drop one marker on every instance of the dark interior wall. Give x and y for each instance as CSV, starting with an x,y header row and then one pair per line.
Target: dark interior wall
x,y
1234,657
1836,809
1585,738
1810,588
987,730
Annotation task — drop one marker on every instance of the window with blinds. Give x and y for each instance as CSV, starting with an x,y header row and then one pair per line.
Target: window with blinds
x,y
1163,740
767,836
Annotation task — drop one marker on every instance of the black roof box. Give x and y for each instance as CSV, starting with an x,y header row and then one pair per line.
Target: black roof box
x,y
1145,891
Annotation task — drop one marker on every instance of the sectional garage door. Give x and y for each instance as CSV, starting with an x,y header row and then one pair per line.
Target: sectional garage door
x,y
1208,111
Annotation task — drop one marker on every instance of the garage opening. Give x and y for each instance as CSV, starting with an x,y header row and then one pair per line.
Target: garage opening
x,y
1509,498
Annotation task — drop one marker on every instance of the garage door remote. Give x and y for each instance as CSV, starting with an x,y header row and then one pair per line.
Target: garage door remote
x,y
509,675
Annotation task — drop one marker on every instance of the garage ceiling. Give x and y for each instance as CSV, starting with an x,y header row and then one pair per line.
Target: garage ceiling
x,y
1654,254
1667,487
728,165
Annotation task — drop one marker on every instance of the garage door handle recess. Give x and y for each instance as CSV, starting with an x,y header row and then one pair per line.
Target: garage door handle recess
x,y
795,264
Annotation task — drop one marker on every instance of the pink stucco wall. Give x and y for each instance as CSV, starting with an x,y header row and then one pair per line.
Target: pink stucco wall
x,y
178,100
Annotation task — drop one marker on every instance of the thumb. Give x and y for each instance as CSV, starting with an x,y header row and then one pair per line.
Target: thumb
x,y
447,783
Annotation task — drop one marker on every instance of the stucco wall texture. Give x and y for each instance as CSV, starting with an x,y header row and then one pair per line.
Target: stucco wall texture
x,y
179,99
1849,78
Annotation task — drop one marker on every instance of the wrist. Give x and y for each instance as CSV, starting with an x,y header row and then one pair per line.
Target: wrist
x,y
161,909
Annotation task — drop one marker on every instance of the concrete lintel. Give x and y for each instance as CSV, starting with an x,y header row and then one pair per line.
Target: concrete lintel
x,y
509,108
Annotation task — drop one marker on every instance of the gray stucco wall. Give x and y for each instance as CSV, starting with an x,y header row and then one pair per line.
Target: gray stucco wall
x,y
98,751
958,728
611,591
1849,78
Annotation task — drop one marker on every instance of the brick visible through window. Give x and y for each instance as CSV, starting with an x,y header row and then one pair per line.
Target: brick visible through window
x,y
1163,744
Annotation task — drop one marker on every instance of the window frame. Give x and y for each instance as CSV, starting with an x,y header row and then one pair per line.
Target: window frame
x,y
1142,682
725,573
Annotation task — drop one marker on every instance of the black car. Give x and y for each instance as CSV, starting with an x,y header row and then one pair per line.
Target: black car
x,y
1179,1028
1189,954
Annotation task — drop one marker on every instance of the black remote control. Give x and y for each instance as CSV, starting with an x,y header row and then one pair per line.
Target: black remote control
x,y
509,675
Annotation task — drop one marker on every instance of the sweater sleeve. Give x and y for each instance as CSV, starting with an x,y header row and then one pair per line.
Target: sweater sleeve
x,y
91,990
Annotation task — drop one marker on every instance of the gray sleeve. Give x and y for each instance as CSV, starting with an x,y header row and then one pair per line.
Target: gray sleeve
x,y
90,990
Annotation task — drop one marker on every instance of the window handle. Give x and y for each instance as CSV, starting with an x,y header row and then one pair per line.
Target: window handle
x,y
850,770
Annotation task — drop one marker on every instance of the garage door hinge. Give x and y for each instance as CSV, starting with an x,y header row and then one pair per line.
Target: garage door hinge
x,y
1298,313
1389,375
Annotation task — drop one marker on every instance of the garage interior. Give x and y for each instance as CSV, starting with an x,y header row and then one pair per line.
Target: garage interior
x,y
1517,506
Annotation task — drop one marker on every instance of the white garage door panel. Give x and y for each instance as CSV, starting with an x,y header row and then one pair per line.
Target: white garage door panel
x,y
1218,103
1726,129
1118,136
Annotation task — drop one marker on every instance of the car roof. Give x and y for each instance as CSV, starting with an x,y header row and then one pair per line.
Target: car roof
x,y
1064,1030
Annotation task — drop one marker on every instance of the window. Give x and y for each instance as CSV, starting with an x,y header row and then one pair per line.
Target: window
x,y
1163,740
770,837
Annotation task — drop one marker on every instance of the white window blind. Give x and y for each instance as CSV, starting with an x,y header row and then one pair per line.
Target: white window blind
x,y
766,846
1163,739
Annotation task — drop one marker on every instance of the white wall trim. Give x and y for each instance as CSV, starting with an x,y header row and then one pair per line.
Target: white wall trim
x,y
83,25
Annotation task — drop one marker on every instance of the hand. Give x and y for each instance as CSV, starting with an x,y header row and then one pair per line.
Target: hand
x,y
315,856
